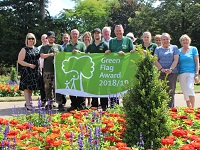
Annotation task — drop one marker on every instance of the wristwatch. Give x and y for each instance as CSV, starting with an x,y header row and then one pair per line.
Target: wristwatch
x,y
171,69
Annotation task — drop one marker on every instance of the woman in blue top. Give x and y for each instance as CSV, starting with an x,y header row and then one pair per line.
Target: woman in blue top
x,y
167,60
188,69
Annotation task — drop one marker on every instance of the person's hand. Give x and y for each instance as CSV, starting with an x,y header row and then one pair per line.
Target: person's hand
x,y
75,51
108,51
168,71
55,50
163,70
121,53
196,79
132,51
51,54
32,66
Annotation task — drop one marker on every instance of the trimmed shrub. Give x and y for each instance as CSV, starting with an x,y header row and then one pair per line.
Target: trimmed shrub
x,y
13,75
145,105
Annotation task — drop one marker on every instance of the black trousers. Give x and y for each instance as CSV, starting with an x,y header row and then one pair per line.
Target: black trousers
x,y
64,99
42,91
103,101
77,101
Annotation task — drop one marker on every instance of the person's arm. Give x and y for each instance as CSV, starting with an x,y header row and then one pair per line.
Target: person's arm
x,y
42,55
159,66
46,55
21,57
175,62
196,59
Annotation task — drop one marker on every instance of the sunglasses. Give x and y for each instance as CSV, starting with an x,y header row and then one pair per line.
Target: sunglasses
x,y
31,39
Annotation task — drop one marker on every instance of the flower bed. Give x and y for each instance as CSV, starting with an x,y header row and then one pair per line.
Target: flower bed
x,y
89,129
186,132
10,89
84,129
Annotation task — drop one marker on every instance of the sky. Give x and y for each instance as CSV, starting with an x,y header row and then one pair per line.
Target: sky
x,y
55,6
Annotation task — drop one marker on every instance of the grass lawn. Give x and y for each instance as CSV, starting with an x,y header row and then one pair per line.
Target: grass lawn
x,y
14,99
10,99
178,88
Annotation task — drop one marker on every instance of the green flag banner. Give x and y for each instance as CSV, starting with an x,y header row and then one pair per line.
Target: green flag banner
x,y
94,75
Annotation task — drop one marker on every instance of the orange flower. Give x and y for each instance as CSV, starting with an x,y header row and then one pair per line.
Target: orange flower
x,y
25,136
120,144
121,120
56,143
189,110
32,148
196,145
56,130
40,129
167,141
187,147
3,121
65,115
188,122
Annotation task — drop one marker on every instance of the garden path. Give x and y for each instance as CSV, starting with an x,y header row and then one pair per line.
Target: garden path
x,y
6,108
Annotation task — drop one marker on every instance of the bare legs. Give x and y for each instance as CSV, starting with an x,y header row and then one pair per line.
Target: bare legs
x,y
191,101
27,95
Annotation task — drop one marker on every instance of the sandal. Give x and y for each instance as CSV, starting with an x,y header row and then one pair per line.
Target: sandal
x,y
28,107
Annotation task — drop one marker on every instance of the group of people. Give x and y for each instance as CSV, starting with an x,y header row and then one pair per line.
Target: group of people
x,y
171,61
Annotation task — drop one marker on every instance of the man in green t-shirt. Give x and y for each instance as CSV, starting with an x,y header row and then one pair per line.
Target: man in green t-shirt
x,y
98,46
47,52
120,44
75,46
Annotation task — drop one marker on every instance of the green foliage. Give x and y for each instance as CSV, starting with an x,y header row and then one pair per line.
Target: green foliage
x,y
145,105
121,12
13,75
17,18
88,14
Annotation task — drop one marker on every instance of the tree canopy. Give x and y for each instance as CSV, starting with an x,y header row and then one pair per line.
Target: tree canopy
x,y
18,17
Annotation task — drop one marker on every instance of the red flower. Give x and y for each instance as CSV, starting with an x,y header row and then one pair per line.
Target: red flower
x,y
174,109
167,141
33,148
65,115
179,132
124,148
56,143
14,122
188,122
68,135
121,120
163,149
25,136
187,147
120,144
196,145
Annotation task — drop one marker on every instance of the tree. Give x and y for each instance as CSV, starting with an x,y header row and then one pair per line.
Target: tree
x,y
88,14
178,18
121,12
17,19
145,106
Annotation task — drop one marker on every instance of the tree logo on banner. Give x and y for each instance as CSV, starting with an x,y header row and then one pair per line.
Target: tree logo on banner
x,y
75,74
